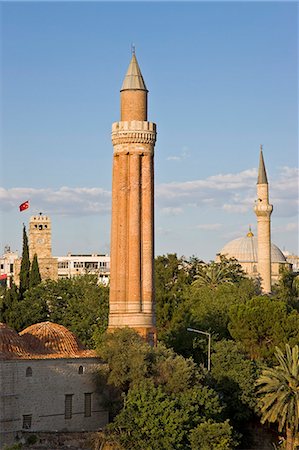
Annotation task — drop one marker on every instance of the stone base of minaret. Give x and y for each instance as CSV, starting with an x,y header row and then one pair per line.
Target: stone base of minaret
x,y
142,323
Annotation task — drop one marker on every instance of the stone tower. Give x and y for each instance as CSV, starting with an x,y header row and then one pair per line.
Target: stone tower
x,y
40,232
132,228
263,211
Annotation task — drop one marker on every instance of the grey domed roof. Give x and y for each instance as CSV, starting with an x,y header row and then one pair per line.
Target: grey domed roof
x,y
244,249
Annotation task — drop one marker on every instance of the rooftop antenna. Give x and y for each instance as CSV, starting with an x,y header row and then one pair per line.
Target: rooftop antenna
x,y
133,49
261,147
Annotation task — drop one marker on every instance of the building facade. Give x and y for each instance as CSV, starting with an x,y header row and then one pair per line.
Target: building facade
x,y
47,382
74,265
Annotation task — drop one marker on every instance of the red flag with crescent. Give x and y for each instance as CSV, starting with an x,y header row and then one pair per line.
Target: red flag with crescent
x,y
24,206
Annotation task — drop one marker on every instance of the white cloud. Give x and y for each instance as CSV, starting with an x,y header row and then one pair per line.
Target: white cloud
x,y
231,193
181,156
63,201
209,226
171,211
291,226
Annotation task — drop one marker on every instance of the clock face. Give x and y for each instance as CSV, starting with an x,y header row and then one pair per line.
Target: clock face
x,y
40,240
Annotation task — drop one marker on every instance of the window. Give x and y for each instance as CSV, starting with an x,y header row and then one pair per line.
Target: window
x,y
80,370
63,265
11,268
91,265
27,419
28,372
40,227
2,266
68,406
78,264
87,405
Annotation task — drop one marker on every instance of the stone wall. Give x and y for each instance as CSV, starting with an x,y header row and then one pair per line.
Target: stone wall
x,y
41,396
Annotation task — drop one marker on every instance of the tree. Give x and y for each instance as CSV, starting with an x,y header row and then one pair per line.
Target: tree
x,y
25,264
79,304
279,394
34,275
234,377
227,271
152,418
263,323
287,288
213,436
172,278
10,309
161,395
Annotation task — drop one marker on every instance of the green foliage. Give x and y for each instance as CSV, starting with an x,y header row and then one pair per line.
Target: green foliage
x,y
213,436
34,275
234,376
131,359
127,356
151,418
207,310
263,323
173,275
164,393
226,271
11,313
80,304
279,391
287,288
25,264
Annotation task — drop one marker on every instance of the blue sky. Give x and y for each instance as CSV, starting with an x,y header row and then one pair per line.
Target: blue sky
x,y
222,78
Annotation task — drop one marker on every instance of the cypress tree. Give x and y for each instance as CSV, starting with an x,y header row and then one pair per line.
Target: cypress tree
x,y
25,264
34,276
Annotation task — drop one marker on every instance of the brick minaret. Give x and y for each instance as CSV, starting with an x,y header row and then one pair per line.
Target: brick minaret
x,y
132,229
263,211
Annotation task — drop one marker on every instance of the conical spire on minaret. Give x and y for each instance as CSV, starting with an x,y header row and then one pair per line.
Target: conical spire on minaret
x,y
133,94
262,175
133,79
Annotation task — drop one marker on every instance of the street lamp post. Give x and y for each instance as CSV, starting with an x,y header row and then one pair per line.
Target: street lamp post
x,y
209,344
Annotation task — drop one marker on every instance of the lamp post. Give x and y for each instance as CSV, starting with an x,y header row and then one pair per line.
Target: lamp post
x,y
209,344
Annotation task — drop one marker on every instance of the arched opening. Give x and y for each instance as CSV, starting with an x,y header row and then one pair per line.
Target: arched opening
x,y
28,372
80,370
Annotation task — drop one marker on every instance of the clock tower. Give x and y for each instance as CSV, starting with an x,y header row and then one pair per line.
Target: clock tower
x,y
40,232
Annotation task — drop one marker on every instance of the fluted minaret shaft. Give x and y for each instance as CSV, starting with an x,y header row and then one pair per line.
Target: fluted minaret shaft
x,y
263,211
132,229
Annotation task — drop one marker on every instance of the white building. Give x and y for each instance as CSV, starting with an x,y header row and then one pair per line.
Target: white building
x,y
8,265
73,265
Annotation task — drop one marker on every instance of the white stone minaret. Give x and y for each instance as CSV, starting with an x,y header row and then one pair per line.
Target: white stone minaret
x,y
263,211
132,231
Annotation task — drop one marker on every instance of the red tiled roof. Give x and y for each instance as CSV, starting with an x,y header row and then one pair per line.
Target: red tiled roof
x,y
43,340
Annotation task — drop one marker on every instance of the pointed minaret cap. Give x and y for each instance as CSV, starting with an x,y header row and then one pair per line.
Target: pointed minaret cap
x,y
262,176
133,79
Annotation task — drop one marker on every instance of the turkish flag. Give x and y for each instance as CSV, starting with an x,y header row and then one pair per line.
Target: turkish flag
x,y
24,206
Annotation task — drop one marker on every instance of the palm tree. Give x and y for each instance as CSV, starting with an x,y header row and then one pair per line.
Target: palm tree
x,y
279,390
227,271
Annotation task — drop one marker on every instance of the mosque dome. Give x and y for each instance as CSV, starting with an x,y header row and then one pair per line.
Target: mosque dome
x,y
244,249
47,338
11,344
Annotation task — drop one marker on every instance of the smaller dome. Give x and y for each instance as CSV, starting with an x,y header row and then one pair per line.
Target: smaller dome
x,y
11,344
47,338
